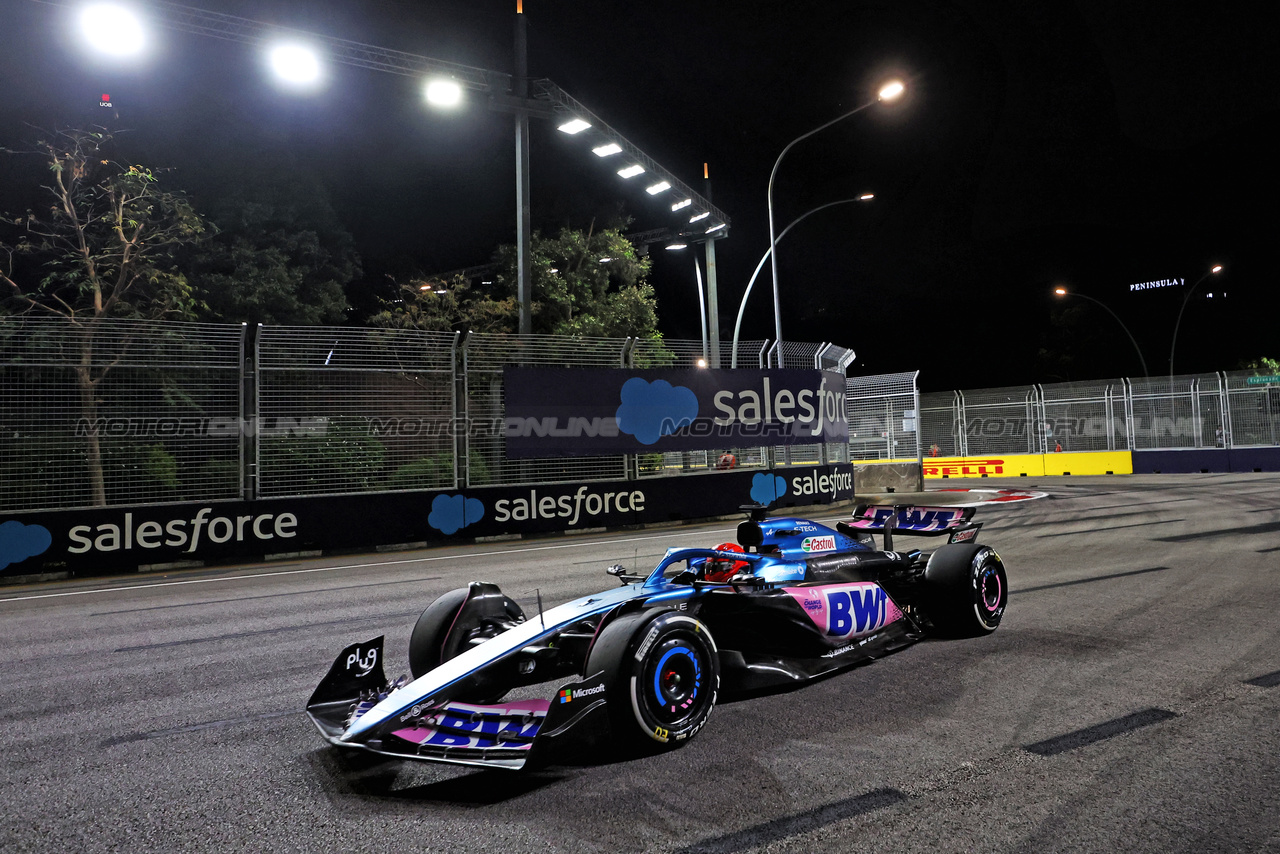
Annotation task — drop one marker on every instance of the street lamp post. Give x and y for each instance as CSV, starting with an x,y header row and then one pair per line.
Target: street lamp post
x,y
1217,268
1063,292
888,92
742,307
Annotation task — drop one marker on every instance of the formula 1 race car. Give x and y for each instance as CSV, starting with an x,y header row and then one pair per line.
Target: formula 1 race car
x,y
791,600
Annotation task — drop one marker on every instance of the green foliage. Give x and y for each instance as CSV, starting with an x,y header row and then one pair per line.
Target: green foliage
x,y
108,242
1262,366
433,472
343,457
573,292
281,256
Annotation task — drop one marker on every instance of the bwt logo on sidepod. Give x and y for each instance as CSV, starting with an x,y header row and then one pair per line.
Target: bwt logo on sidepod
x,y
846,610
856,611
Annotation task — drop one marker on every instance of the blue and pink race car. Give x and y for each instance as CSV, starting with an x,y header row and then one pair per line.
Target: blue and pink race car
x,y
640,666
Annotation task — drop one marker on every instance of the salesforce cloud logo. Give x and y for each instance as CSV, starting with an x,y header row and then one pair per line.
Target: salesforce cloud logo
x,y
19,542
767,488
452,513
650,411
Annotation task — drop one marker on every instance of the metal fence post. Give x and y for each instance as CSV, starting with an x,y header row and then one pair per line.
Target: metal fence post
x,y
1224,404
460,442
1110,416
249,411
1129,428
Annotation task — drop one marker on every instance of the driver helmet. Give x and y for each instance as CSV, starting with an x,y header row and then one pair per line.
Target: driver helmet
x,y
722,569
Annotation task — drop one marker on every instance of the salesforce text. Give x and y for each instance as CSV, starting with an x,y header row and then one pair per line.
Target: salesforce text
x,y
179,532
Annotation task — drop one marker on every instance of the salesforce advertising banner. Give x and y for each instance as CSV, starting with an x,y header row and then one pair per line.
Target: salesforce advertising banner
x,y
107,540
566,412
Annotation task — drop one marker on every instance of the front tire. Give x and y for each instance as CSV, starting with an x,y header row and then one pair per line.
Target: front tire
x,y
968,590
426,644
663,677
439,636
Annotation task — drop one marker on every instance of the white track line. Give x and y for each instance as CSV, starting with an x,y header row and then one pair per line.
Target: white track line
x,y
664,535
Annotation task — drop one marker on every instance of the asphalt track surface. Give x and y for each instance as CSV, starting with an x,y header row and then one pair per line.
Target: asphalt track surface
x,y
1130,702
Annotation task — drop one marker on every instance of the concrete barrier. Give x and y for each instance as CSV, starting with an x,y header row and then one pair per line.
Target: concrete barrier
x,y
1208,460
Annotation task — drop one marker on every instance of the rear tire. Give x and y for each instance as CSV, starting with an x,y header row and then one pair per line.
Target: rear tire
x,y
968,590
663,677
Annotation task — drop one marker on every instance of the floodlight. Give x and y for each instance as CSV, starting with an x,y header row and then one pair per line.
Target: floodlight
x,y
631,171
295,64
675,246
443,92
574,126
684,204
697,217
660,187
606,150
113,29
715,228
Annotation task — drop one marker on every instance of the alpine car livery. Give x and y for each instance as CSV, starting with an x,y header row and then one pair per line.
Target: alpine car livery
x,y
643,664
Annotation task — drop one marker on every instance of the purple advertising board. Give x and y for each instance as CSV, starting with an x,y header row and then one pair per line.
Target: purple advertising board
x,y
567,412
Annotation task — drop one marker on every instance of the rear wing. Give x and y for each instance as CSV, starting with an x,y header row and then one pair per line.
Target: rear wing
x,y
954,522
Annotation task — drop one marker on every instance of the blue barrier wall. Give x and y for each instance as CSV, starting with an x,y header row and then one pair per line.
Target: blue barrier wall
x,y
1214,460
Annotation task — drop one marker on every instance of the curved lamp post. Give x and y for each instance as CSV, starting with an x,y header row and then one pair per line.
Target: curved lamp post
x,y
742,307
1217,268
1063,292
888,92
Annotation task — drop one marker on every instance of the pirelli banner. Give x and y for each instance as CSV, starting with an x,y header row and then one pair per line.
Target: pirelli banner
x,y
566,412
122,539
1030,465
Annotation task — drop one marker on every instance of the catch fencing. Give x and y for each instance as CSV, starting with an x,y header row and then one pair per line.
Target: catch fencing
x,y
1237,409
119,412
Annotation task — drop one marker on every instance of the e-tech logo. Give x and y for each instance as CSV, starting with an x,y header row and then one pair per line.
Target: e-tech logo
x,y
568,695
964,468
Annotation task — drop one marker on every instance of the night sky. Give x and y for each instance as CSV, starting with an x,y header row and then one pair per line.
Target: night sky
x,y
1089,144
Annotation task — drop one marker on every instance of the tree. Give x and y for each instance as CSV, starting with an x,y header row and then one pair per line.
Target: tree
x,y
1262,366
589,284
105,247
280,255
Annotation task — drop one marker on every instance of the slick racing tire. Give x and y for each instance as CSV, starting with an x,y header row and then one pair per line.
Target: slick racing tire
x,y
430,644
968,590
663,676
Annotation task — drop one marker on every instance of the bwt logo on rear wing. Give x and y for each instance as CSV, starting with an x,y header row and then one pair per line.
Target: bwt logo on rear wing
x,y
926,521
